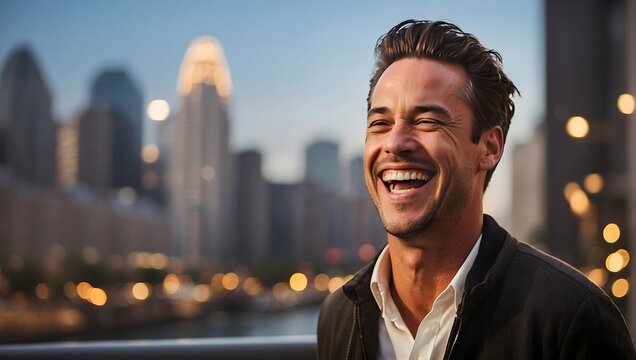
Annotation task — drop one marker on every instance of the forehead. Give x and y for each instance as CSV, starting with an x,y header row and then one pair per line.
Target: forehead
x,y
420,79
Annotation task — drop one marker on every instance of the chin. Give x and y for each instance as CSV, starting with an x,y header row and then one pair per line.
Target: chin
x,y
408,230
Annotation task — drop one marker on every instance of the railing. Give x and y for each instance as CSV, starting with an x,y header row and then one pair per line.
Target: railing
x,y
266,347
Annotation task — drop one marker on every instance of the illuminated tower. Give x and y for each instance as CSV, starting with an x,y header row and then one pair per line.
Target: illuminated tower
x,y
27,130
201,167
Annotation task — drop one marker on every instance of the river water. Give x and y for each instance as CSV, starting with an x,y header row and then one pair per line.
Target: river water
x,y
297,321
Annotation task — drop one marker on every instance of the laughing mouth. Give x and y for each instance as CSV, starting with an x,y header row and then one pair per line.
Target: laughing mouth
x,y
404,181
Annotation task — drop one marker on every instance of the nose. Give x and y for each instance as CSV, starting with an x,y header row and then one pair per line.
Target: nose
x,y
400,139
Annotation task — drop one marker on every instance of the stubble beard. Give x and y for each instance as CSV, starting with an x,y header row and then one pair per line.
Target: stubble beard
x,y
415,228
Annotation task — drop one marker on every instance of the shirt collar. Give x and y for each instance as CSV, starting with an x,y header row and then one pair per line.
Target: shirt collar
x,y
381,276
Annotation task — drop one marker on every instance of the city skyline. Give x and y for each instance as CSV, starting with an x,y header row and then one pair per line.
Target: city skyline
x,y
299,75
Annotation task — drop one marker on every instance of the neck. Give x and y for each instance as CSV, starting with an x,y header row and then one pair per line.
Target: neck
x,y
423,266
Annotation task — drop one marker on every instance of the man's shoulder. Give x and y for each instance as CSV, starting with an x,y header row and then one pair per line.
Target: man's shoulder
x,y
553,271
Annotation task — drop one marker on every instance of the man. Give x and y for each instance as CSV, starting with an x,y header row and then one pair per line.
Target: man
x,y
451,283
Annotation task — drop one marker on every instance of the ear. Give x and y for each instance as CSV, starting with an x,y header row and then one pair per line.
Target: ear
x,y
492,145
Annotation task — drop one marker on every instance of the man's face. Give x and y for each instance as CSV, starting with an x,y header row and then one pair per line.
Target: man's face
x,y
420,164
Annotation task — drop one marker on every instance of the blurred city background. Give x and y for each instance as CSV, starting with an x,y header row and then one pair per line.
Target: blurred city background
x,y
192,169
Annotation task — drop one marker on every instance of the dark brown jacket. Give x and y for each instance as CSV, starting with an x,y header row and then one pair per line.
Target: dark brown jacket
x,y
519,303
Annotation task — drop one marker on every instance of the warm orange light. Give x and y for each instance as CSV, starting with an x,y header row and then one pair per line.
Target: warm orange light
x,y
579,203
577,127
70,290
217,282
598,276
626,104
150,153
625,255
321,282
298,282
252,286
614,262
569,189
83,289
98,297
42,291
620,288
171,284
593,183
611,233
280,290
201,293
140,291
230,281
335,283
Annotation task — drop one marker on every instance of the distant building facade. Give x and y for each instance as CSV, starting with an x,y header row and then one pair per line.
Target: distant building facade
x,y
587,137
251,240
322,166
114,92
27,129
201,169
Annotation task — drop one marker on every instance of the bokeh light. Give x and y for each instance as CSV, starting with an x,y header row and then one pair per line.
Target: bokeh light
x,y
171,284
252,286
321,282
140,291
577,127
620,288
298,282
150,153
611,233
598,277
230,281
98,297
626,104
614,262
158,110
579,203
335,283
593,183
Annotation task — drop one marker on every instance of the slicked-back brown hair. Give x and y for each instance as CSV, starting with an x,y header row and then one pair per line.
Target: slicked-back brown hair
x,y
488,90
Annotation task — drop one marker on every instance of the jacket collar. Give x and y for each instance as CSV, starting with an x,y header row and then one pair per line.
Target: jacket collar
x,y
495,253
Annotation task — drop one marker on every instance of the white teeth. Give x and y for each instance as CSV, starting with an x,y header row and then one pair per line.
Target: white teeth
x,y
393,175
402,191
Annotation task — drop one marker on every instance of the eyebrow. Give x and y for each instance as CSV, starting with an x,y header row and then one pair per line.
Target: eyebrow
x,y
419,109
381,110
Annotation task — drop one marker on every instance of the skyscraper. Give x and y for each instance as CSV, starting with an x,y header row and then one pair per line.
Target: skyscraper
x,y
322,166
114,91
27,130
587,137
201,168
251,239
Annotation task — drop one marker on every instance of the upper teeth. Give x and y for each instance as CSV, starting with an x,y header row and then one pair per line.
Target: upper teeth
x,y
401,175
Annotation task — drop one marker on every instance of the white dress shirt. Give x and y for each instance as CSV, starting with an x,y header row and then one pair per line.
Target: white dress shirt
x,y
395,339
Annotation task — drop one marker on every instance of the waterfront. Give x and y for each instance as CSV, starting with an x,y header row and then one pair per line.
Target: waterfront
x,y
296,321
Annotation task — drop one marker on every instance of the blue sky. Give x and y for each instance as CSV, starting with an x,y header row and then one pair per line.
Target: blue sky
x,y
300,69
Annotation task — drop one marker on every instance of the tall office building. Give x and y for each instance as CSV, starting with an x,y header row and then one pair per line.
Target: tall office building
x,y
251,241
201,168
322,166
27,129
114,91
587,139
